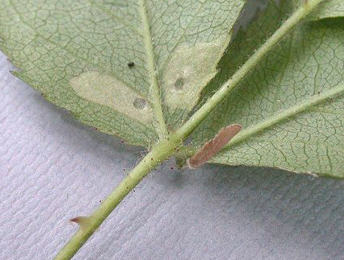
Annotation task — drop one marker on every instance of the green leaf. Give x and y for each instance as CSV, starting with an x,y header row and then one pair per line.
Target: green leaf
x,y
131,68
291,104
257,23
137,69
329,9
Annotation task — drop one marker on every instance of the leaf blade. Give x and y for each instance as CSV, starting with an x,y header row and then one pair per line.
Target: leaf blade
x,y
310,143
329,9
60,45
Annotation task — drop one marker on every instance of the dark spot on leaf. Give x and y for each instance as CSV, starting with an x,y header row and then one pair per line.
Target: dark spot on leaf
x,y
179,83
139,103
131,64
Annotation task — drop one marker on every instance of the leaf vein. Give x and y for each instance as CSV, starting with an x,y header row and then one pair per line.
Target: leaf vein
x,y
156,95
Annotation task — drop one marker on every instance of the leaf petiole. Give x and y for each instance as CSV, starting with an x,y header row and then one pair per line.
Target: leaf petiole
x,y
169,146
157,155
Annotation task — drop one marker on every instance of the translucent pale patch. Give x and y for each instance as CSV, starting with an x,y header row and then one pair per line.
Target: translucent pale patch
x,y
108,91
188,71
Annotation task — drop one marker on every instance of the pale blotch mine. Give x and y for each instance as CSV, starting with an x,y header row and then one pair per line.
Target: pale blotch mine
x,y
108,91
188,72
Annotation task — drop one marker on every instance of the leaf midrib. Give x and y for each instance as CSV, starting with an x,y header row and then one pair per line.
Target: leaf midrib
x,y
156,96
155,103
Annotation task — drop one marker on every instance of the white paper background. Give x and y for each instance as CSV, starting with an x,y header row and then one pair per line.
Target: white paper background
x,y
53,168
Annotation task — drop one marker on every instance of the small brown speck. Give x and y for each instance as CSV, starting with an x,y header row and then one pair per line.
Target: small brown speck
x,y
131,64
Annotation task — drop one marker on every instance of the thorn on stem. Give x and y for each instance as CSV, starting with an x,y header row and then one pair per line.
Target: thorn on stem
x,y
83,222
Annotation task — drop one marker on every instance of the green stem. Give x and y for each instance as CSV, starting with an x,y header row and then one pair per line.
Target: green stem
x,y
166,148
159,153
251,63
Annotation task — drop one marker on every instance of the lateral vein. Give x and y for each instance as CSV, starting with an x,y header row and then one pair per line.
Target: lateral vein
x,y
285,115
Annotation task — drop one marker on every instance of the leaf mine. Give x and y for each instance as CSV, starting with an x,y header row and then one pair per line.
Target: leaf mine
x,y
188,71
108,91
